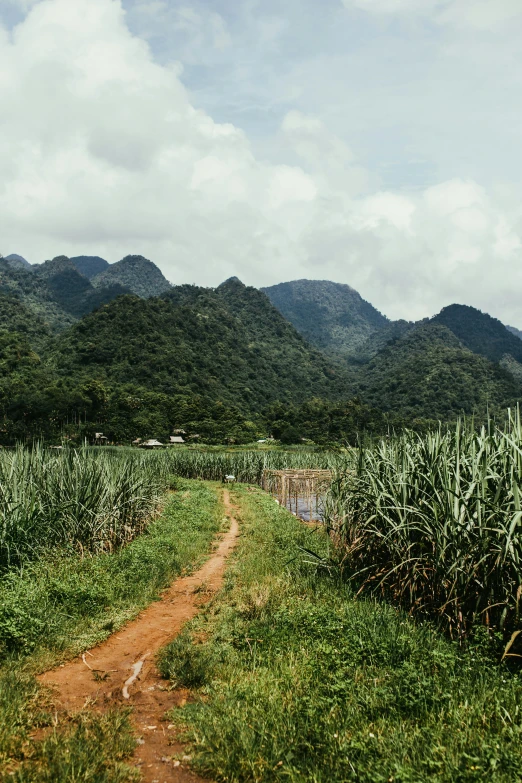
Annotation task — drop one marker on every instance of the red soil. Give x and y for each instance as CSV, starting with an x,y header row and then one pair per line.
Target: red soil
x,y
97,679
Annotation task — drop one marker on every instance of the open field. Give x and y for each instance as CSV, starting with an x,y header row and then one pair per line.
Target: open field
x,y
58,606
295,679
305,666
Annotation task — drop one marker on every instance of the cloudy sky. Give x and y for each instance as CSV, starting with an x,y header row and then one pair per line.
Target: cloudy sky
x,y
370,142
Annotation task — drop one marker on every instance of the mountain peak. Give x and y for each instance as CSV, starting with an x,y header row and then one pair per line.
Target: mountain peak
x,y
54,266
332,316
136,273
18,262
480,332
232,281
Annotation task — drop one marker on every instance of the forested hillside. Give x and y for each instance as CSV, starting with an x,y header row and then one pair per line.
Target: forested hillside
x,y
89,266
228,344
208,360
62,290
224,364
480,332
332,316
429,373
136,274
17,262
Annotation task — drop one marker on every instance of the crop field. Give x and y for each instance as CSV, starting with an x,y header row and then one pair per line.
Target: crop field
x,y
86,500
383,645
247,466
435,523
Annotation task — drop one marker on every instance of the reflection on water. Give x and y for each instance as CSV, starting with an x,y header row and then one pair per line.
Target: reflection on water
x,y
302,508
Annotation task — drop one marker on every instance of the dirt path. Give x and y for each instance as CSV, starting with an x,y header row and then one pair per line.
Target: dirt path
x,y
121,670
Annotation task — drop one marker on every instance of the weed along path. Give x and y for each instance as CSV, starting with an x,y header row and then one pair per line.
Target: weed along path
x,y
121,671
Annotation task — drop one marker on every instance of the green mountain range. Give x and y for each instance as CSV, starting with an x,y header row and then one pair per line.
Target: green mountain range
x,y
77,356
209,360
63,290
429,373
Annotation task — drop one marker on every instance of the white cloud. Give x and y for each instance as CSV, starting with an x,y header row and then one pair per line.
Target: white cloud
x,y
102,151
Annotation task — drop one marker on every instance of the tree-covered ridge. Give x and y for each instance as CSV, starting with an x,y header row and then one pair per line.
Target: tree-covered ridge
x,y
515,331
89,266
33,292
221,363
54,292
136,274
230,345
429,373
379,340
72,291
16,317
480,332
17,262
208,361
332,316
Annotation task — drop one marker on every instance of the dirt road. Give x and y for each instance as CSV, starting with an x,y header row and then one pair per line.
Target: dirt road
x,y
122,670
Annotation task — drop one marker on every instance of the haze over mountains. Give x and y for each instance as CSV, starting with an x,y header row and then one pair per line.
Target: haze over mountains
x,y
118,345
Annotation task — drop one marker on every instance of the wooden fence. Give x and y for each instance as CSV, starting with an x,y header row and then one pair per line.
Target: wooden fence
x,y
300,491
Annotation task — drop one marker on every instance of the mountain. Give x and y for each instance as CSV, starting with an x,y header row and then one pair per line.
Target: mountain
x,y
515,331
18,262
55,292
208,361
230,345
378,341
135,273
429,373
33,292
73,292
89,266
15,317
332,316
479,332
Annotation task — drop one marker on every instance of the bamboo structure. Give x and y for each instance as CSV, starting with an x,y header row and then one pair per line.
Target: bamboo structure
x,y
300,491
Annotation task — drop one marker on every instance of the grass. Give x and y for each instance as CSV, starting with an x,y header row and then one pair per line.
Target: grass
x,y
62,604
55,607
92,748
298,680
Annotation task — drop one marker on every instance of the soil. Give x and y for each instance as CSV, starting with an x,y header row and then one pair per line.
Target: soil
x,y
124,664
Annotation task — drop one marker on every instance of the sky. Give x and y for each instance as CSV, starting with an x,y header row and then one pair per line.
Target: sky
x,y
368,142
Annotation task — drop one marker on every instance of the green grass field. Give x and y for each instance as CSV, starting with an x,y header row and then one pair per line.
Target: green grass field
x,y
298,680
60,605
294,676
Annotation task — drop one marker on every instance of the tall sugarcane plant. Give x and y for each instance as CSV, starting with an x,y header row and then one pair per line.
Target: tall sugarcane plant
x,y
435,522
88,500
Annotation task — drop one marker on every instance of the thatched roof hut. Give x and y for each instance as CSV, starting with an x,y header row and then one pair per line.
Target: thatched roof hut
x,y
151,444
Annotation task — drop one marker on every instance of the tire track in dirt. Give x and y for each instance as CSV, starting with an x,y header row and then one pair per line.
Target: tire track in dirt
x,y
98,678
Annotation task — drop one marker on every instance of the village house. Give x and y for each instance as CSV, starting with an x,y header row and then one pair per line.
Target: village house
x,y
151,444
175,440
